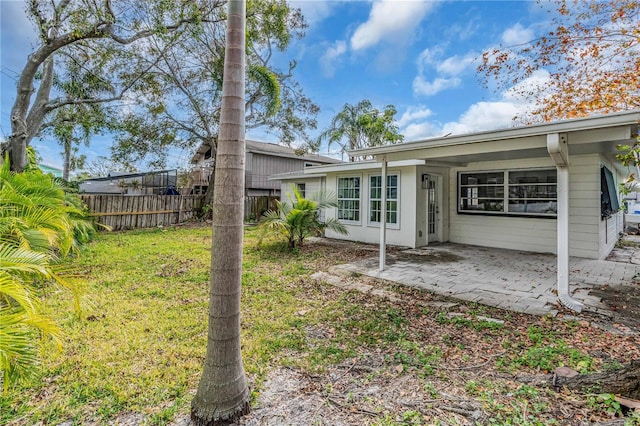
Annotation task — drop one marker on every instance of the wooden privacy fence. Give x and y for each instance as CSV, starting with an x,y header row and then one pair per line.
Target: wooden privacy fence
x,y
254,207
141,211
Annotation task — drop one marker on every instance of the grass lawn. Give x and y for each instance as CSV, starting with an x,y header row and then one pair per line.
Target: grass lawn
x,y
140,344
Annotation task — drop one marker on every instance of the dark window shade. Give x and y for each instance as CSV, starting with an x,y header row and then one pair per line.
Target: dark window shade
x,y
608,194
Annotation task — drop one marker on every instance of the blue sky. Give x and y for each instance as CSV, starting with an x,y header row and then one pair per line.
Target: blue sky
x,y
417,55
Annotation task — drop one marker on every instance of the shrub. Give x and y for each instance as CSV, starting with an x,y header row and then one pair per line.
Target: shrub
x,y
299,218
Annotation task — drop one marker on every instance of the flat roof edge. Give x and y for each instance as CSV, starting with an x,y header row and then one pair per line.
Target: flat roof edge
x,y
564,126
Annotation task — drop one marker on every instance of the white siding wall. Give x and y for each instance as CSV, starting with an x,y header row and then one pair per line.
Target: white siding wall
x,y
589,236
584,205
533,234
402,234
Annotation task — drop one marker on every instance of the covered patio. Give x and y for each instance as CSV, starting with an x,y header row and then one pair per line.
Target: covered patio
x,y
508,279
593,140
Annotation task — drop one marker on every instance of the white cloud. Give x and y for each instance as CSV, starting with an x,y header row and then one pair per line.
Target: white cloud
x,y
414,113
464,30
428,58
517,34
315,11
478,117
417,131
484,116
456,65
417,121
429,88
536,84
447,71
331,55
390,20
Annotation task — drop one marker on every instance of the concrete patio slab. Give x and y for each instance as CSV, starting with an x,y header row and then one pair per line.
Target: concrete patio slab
x,y
507,279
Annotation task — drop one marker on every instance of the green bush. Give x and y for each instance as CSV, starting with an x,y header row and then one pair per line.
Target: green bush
x,y
39,224
299,218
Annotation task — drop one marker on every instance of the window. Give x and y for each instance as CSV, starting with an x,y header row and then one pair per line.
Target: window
x,y
375,198
608,195
349,198
509,192
302,189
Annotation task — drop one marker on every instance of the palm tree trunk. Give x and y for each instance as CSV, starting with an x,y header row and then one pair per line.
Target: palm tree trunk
x,y
223,394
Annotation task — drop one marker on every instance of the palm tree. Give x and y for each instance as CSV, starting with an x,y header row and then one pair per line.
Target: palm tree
x,y
223,394
361,126
299,218
39,223
20,318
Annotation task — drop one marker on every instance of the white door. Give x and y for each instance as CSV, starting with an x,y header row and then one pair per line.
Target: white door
x,y
434,186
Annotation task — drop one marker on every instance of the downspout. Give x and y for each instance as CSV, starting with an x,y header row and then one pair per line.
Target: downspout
x,y
383,215
559,152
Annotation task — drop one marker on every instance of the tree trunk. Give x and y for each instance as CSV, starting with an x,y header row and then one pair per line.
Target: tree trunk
x,y
624,381
208,195
223,394
66,167
26,120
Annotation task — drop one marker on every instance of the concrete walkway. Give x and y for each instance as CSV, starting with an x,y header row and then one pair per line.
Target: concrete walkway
x,y
507,279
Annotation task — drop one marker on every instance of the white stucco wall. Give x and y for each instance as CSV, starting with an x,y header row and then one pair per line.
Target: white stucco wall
x,y
312,184
402,234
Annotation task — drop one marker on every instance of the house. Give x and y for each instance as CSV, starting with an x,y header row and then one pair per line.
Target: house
x,y
262,160
47,169
542,188
147,183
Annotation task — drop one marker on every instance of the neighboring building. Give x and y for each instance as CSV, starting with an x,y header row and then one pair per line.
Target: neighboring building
x,y
262,160
537,188
50,170
148,183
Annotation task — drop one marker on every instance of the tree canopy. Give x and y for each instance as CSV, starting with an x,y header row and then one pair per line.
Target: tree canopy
x,y
592,56
96,40
360,126
180,105
155,67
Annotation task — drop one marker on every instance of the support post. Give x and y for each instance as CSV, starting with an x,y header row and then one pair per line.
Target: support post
x,y
559,152
383,215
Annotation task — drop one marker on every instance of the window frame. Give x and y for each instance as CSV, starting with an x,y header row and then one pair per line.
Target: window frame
x,y
391,225
302,188
507,193
354,199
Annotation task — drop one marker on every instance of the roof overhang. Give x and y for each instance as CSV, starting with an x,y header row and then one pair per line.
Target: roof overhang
x,y
359,165
600,134
295,176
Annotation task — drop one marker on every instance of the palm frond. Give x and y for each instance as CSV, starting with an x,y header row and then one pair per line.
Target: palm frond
x,y
298,218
